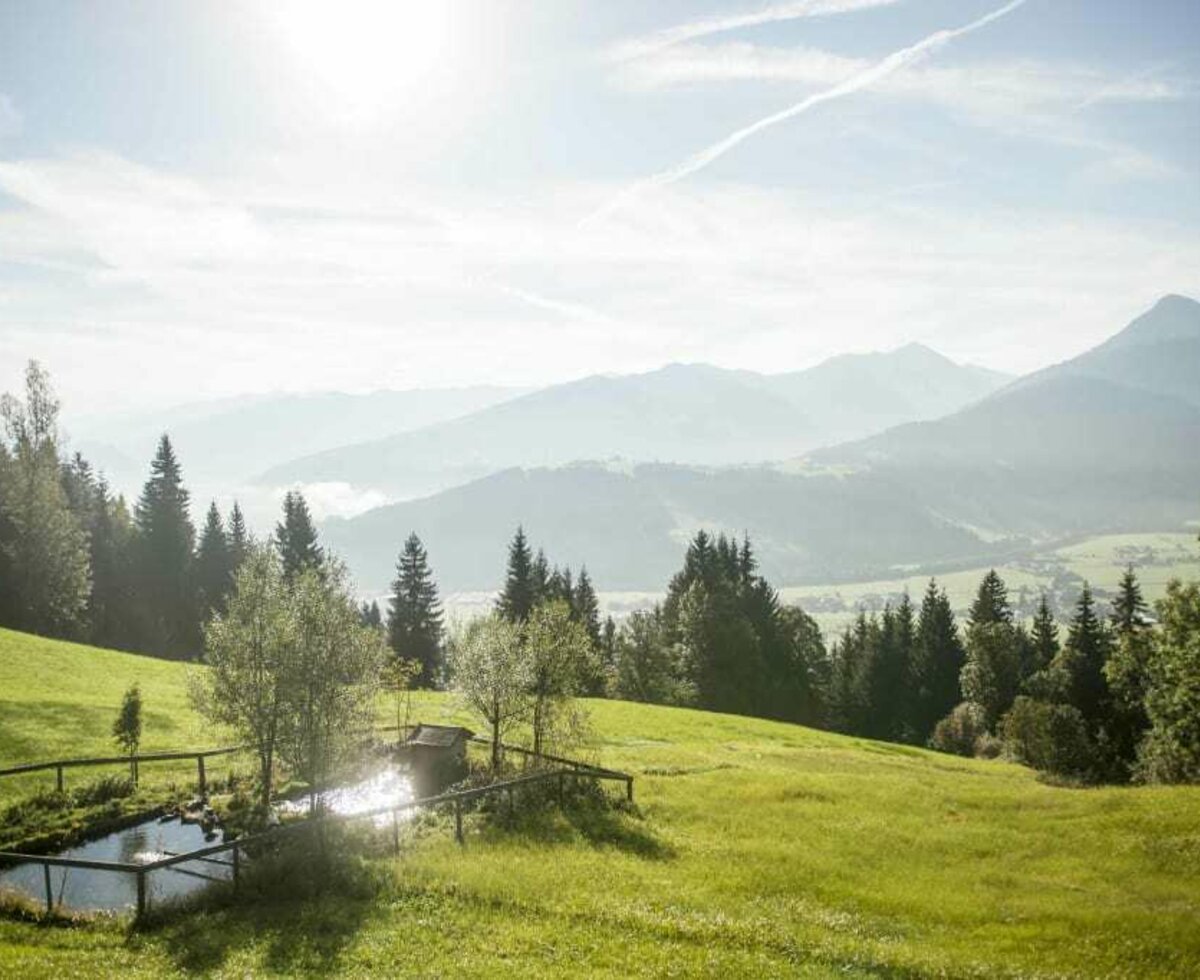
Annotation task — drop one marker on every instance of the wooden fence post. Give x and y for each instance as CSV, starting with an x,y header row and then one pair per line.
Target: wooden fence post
x,y
236,866
458,831
395,832
60,778
200,778
49,889
141,894
629,789
560,790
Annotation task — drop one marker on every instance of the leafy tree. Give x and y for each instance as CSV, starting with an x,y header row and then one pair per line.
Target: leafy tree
x,y
247,650
959,732
415,613
521,587
991,603
163,557
991,676
938,659
560,656
645,668
1170,752
802,682
1049,737
493,673
44,548
127,728
398,677
296,537
214,566
330,678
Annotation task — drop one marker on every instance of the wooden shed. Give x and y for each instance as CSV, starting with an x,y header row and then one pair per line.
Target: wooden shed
x,y
439,755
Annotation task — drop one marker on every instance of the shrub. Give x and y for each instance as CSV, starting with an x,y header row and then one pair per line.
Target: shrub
x,y
958,732
1049,737
988,747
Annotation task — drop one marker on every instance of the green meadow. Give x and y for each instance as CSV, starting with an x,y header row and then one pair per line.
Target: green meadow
x,y
754,849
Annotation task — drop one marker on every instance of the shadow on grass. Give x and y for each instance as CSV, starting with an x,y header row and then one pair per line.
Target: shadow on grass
x,y
298,908
587,814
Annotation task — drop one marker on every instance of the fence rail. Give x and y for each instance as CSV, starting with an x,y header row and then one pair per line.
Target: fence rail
x,y
59,765
570,769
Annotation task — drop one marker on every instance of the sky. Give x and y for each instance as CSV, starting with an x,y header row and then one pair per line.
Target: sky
x,y
204,199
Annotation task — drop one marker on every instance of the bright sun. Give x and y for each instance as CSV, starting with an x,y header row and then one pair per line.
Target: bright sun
x,y
366,57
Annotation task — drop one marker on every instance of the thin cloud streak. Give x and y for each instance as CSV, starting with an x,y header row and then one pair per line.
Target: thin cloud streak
x,y
880,70
639,47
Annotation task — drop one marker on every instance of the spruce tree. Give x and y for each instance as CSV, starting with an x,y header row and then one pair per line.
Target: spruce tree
x,y
168,614
517,600
112,607
1083,657
1129,608
296,538
415,614
238,538
1044,635
214,566
587,607
938,660
991,603
541,578
369,614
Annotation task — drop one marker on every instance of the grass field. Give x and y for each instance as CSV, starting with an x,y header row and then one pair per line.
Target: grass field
x,y
757,849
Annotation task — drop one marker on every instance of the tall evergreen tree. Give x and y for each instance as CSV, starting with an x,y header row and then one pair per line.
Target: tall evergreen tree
x,y
587,607
541,578
520,593
166,592
1044,637
1083,658
369,614
1129,608
238,537
112,538
991,603
938,660
415,613
296,537
214,565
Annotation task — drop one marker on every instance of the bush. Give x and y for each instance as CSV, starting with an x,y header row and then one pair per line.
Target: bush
x,y
1049,737
988,747
958,732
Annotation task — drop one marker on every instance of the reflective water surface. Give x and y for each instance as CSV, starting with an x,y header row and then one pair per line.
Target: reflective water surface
x,y
385,789
89,891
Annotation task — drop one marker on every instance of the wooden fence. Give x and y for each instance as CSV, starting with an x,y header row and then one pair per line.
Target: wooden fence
x,y
569,769
126,760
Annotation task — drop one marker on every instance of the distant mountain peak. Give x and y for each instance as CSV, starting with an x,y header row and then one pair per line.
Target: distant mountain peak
x,y
1174,317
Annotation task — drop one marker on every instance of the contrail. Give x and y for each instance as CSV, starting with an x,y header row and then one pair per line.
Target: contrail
x,y
881,69
640,46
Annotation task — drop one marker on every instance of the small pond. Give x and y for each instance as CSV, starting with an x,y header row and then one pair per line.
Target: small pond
x,y
83,890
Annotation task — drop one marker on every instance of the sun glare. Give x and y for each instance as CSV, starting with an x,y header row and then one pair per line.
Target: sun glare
x,y
366,58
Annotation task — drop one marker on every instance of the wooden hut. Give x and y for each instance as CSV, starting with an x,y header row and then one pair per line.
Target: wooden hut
x,y
439,755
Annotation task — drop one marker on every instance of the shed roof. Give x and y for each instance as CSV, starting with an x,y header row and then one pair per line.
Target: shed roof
x,y
439,736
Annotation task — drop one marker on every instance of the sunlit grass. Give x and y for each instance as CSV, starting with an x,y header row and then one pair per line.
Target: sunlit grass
x,y
755,849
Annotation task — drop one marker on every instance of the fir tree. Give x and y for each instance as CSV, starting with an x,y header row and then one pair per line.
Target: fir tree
x,y
214,566
170,624
238,537
415,614
517,600
938,659
1083,658
296,537
541,578
1129,608
1044,637
369,614
991,603
587,607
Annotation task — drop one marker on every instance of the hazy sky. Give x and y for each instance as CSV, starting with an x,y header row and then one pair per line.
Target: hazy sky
x,y
201,199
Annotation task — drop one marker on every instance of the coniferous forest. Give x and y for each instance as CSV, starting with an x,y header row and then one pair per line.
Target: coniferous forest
x,y
1105,697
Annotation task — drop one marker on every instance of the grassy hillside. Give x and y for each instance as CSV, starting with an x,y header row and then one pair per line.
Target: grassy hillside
x,y
759,849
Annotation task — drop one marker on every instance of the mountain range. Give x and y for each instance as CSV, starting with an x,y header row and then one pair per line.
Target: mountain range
x,y
1103,442
681,413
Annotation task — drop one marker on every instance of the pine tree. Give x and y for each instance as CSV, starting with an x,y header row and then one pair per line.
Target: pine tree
x,y
214,565
296,537
991,603
238,537
1044,636
517,600
1129,608
541,578
587,607
112,606
1083,657
938,659
170,624
369,614
415,614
